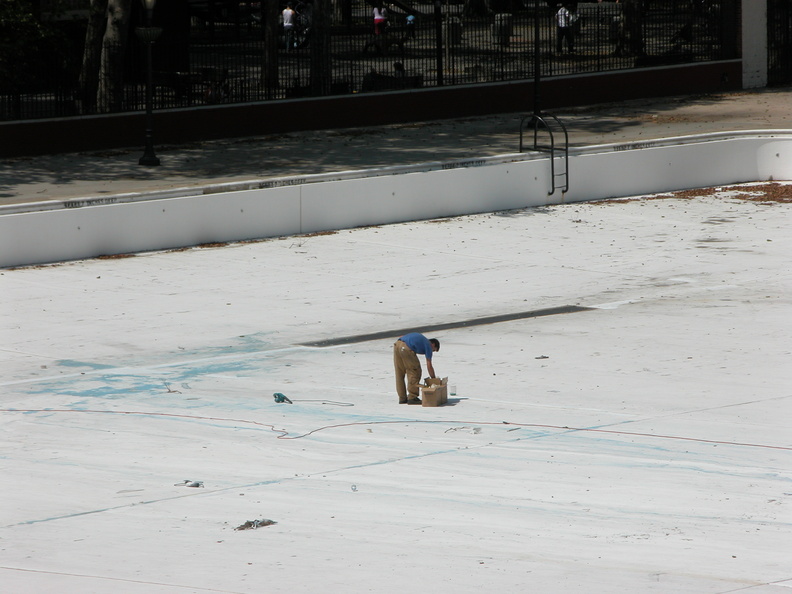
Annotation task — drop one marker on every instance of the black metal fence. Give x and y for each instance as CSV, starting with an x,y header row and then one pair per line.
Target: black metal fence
x,y
226,61
779,41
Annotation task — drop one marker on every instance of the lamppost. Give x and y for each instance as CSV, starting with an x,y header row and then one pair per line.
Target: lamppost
x,y
438,16
149,35
537,64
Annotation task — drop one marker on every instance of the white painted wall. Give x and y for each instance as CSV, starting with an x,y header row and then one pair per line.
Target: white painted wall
x,y
60,231
754,43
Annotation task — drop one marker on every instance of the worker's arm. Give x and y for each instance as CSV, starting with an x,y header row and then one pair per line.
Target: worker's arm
x,y
429,368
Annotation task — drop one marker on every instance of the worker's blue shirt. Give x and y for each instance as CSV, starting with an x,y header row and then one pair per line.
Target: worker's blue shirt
x,y
418,343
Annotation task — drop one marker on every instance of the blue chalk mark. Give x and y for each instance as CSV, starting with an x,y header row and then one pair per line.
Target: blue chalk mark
x,y
83,364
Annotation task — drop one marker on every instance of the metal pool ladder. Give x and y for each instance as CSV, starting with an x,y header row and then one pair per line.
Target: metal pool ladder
x,y
558,154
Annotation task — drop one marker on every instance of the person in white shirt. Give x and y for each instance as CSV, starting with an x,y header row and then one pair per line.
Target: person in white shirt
x,y
380,19
289,17
564,28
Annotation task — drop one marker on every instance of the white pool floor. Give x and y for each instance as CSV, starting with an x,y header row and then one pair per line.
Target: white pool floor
x,y
641,444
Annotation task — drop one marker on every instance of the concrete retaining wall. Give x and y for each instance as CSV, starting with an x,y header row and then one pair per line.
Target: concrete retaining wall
x,y
59,231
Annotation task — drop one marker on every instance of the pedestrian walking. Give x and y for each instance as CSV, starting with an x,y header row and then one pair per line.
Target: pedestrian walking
x,y
565,21
289,18
380,18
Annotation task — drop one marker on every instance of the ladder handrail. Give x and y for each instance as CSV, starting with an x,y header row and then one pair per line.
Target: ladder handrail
x,y
538,121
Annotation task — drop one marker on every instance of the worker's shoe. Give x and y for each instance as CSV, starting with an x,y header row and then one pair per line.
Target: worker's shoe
x,y
402,401
414,401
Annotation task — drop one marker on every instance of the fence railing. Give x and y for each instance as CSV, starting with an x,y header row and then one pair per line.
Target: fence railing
x,y
779,41
227,62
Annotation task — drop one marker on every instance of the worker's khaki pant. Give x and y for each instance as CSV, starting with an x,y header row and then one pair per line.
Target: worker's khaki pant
x,y
406,362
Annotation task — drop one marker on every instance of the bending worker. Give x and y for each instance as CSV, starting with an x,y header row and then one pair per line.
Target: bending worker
x,y
405,362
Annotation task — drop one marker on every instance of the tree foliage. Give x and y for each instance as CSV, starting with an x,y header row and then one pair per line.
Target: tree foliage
x,y
25,43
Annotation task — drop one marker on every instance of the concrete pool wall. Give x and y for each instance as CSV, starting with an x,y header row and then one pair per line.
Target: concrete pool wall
x,y
65,230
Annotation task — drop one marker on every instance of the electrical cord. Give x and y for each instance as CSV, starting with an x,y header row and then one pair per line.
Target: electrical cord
x,y
283,434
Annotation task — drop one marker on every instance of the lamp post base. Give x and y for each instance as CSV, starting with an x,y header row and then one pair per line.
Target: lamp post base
x,y
149,160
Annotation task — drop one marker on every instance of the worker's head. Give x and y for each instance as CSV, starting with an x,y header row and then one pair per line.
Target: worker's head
x,y
435,344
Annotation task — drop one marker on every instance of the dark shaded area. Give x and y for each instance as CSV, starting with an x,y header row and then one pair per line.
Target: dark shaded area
x,y
199,163
361,110
444,46
523,315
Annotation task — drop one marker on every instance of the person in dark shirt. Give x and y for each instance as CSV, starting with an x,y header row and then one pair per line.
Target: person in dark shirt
x,y
406,363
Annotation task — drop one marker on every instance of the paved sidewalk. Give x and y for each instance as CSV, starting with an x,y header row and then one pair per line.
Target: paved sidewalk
x,y
34,179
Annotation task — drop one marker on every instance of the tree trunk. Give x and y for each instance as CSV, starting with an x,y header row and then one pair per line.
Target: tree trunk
x,y
92,54
111,73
